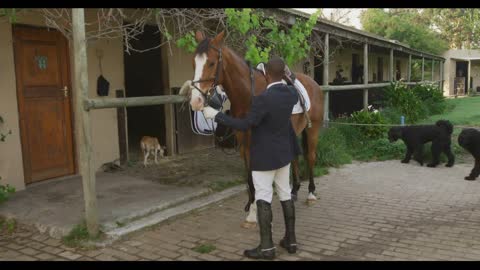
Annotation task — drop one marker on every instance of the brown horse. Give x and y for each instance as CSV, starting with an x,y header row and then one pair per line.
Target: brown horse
x,y
215,64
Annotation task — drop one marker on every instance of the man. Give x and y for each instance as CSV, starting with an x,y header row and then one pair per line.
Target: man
x,y
273,147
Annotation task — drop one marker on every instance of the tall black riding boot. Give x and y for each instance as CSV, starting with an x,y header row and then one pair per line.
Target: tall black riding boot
x,y
265,250
289,241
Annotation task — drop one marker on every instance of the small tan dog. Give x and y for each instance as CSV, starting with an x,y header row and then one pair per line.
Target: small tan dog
x,y
150,144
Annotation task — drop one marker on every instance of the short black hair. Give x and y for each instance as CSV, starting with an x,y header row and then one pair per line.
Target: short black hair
x,y
275,68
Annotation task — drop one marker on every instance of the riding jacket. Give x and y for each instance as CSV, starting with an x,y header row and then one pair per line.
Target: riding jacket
x,y
273,142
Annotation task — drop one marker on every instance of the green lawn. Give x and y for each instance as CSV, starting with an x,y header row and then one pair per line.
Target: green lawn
x,y
463,111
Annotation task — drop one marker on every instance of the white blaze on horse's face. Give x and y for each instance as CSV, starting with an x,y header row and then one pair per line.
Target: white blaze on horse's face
x,y
197,100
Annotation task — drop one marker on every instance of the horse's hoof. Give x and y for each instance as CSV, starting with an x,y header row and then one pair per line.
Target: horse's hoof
x,y
249,225
311,199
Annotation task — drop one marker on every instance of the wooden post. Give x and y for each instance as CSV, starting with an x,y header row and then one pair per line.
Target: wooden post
x,y
423,68
469,75
365,75
441,75
82,120
326,54
409,74
433,68
122,129
391,66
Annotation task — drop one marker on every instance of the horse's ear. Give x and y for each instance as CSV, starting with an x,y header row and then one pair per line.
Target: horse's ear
x,y
218,40
199,36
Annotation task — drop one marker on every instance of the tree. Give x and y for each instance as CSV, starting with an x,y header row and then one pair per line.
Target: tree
x,y
405,25
258,36
458,26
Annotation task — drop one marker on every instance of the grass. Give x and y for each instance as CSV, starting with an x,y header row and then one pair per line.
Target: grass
x,y
340,144
222,185
78,235
204,248
9,225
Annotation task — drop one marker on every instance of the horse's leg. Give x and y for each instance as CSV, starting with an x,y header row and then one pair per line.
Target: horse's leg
x,y
296,180
311,145
250,207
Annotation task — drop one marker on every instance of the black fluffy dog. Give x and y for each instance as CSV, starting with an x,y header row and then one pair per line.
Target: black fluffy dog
x,y
415,137
469,139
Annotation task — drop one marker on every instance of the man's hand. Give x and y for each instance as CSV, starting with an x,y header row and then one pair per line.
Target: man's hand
x,y
209,112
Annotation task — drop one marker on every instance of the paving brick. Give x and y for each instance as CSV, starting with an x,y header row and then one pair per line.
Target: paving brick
x,y
45,256
69,255
29,251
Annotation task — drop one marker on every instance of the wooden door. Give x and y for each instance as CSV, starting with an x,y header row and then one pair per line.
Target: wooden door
x,y
44,102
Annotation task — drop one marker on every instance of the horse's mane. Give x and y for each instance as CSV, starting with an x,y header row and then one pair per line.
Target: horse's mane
x,y
203,46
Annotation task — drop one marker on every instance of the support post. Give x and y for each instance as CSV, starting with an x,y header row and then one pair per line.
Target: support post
x,y
469,75
82,121
390,70
441,75
423,69
433,69
365,75
409,74
325,80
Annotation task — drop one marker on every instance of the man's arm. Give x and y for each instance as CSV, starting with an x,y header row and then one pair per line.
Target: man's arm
x,y
253,118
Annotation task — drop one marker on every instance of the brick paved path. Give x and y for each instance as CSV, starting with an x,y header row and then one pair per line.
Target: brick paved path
x,y
360,216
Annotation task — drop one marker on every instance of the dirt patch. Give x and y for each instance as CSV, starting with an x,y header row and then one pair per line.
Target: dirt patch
x,y
211,168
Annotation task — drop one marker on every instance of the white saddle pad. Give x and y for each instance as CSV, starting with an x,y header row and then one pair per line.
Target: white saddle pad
x,y
298,107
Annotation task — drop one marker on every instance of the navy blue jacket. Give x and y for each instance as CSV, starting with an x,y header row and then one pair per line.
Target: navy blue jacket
x,y
273,143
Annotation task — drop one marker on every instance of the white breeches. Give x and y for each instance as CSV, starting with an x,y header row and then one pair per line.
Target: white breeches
x,y
263,181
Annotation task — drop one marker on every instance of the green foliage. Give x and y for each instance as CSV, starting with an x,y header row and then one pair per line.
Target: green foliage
x,y
406,26
404,100
78,235
378,150
457,26
432,98
263,36
10,13
332,149
188,42
367,117
5,192
8,224
204,248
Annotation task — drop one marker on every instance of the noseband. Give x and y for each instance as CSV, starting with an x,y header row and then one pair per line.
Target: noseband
x,y
212,98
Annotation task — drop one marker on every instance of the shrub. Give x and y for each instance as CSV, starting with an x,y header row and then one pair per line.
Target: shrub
x,y
332,150
379,149
432,98
5,191
398,96
367,117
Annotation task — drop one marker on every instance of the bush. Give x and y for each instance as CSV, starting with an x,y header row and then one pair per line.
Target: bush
x,y
5,191
379,150
432,98
332,150
366,117
398,96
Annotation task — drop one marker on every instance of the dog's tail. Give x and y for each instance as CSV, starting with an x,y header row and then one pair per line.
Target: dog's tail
x,y
446,125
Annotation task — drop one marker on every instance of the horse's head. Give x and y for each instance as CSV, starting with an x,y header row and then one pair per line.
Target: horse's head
x,y
208,65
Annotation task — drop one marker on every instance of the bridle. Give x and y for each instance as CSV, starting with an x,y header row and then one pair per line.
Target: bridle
x,y
212,97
